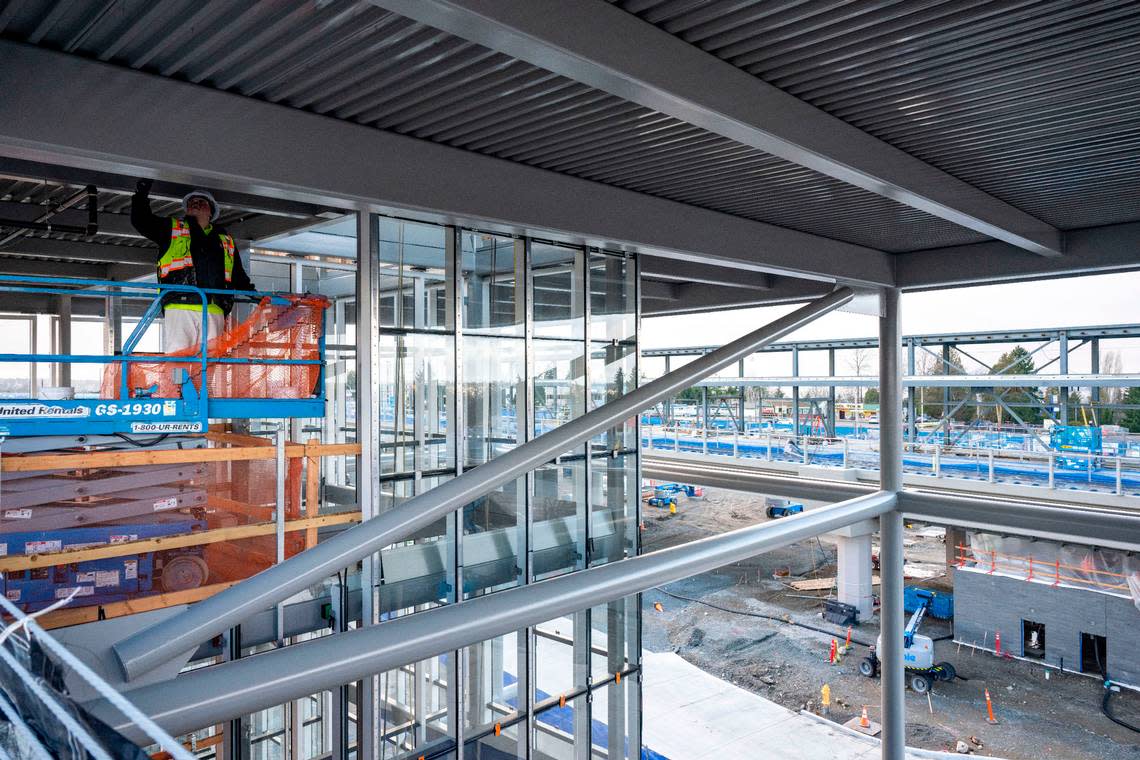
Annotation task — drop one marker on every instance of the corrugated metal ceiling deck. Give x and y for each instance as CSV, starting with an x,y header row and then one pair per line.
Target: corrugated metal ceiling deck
x,y
356,62
1036,103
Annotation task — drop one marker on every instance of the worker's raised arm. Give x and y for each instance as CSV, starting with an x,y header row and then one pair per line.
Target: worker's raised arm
x,y
154,228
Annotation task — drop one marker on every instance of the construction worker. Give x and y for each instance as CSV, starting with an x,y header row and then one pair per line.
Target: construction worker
x,y
191,251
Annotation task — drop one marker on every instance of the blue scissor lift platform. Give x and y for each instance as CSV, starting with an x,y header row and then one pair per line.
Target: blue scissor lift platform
x,y
51,511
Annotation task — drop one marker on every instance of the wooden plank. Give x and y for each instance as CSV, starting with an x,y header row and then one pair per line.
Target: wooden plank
x,y
76,615
207,741
312,494
24,562
822,584
97,459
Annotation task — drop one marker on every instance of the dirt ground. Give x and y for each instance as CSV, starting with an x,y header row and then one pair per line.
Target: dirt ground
x,y
1038,717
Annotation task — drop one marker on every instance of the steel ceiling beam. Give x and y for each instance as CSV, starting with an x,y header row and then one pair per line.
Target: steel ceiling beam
x,y
978,382
209,695
79,251
1099,526
599,44
101,117
698,297
1094,250
687,271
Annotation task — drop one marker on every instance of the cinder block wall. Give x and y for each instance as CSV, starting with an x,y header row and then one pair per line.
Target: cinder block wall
x,y
985,604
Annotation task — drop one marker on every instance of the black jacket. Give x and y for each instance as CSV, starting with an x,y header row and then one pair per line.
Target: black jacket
x,y
209,270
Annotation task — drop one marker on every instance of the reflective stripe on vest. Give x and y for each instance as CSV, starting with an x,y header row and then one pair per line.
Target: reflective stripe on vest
x,y
177,255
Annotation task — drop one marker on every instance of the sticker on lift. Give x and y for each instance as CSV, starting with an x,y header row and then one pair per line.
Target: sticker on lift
x,y
10,411
17,514
170,503
130,569
166,427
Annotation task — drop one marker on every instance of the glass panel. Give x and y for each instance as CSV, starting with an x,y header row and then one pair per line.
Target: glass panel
x,y
613,374
413,274
418,573
557,729
490,693
16,377
270,276
416,381
500,747
613,298
614,637
491,284
613,512
561,657
492,529
557,515
559,378
414,707
558,280
614,714
493,389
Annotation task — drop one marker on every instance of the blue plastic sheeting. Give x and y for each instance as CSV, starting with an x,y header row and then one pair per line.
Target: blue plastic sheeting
x,y
941,606
1098,476
562,718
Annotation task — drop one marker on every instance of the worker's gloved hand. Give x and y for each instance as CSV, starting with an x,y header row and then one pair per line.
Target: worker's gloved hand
x,y
142,187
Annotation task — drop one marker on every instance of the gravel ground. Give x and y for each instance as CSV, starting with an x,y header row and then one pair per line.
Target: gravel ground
x,y
1058,717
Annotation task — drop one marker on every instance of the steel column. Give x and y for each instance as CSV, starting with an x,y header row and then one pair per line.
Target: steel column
x,y
1063,346
367,464
891,531
795,393
165,640
205,696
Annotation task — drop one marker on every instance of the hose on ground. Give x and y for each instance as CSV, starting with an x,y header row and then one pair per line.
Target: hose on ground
x,y
760,615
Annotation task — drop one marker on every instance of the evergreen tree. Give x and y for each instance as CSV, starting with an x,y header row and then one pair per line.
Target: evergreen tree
x,y
1131,418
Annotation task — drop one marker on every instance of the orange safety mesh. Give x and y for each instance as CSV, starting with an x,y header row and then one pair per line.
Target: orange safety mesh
x,y
291,331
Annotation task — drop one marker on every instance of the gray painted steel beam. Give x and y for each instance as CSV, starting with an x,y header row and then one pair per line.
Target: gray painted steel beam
x,y
688,271
1099,526
992,336
82,251
106,118
153,646
696,297
891,616
1087,251
209,695
600,45
710,473
935,381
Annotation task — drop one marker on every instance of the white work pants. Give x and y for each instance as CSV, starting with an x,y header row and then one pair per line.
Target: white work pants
x,y
182,328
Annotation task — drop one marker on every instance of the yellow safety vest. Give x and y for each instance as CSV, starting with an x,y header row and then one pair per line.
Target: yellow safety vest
x,y
177,257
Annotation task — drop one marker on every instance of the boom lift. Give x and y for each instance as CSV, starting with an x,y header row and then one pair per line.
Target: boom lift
x,y
918,653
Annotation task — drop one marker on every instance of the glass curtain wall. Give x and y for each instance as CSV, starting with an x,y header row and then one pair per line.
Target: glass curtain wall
x,y
486,342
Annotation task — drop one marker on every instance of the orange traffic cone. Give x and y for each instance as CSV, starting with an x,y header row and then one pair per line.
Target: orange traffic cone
x,y
990,708
865,722
997,643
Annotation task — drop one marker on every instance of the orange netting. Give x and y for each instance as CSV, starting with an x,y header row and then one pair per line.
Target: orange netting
x,y
291,331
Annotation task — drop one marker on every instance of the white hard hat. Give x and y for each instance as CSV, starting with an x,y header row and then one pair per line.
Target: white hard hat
x,y
215,211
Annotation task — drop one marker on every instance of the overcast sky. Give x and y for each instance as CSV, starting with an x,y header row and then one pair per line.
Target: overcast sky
x,y
1069,302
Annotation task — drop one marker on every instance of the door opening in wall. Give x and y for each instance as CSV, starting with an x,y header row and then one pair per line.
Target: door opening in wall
x,y
1094,653
1032,639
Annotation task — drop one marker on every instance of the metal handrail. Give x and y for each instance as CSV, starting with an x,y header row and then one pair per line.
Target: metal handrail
x,y
210,695
182,632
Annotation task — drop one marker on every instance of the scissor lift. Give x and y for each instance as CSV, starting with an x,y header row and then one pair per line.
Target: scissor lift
x,y
54,510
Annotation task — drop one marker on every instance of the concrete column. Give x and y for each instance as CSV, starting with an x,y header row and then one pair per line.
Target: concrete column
x,y
854,574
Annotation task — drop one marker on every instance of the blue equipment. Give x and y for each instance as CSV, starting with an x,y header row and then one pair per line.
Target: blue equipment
x,y
133,411
108,580
776,508
918,652
1078,439
940,605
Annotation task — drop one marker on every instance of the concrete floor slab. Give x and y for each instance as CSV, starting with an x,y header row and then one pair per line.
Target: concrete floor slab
x,y
689,714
